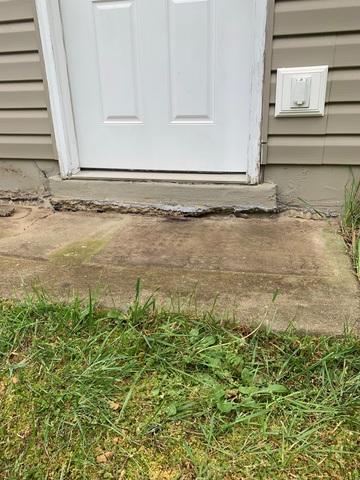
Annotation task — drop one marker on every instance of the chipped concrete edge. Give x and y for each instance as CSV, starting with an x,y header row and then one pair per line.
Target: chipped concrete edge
x,y
18,196
62,204
177,199
166,195
161,197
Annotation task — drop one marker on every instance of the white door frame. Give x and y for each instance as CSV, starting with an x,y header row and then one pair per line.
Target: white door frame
x,y
53,48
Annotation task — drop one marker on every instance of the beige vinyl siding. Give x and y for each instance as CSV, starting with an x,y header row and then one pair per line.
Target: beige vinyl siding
x,y
26,146
22,95
318,32
13,10
339,118
316,16
25,124
18,37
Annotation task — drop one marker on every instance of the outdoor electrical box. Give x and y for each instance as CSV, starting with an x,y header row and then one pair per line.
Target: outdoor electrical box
x,y
301,91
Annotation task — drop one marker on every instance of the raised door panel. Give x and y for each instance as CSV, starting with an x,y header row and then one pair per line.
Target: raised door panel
x,y
191,45
118,64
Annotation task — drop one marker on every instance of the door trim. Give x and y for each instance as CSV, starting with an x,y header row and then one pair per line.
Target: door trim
x,y
260,13
53,49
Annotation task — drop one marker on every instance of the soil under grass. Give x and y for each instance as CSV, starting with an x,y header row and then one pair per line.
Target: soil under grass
x,y
153,394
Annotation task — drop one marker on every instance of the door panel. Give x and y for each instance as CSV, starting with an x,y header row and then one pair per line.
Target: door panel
x,y
160,84
117,55
191,29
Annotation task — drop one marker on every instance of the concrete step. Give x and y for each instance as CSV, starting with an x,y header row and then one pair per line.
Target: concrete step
x,y
165,196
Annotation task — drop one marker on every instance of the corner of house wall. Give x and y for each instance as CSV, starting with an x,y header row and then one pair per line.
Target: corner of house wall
x,y
26,179
310,187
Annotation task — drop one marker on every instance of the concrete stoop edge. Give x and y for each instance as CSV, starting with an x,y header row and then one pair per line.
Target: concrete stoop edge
x,y
161,197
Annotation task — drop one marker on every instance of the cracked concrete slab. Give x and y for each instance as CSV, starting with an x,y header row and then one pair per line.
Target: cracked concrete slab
x,y
239,262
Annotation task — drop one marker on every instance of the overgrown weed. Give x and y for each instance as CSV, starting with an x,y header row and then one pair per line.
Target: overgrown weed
x,y
350,221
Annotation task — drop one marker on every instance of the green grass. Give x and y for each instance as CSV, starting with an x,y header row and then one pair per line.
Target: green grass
x,y
155,394
350,221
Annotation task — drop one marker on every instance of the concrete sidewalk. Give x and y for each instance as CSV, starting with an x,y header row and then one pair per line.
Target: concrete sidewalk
x,y
241,262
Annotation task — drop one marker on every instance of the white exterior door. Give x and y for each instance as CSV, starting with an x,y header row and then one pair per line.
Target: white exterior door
x,y
161,84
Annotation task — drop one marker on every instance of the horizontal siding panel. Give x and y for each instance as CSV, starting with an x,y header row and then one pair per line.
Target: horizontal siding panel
x,y
343,86
347,51
25,66
338,119
24,122
343,118
342,150
26,147
18,37
316,16
333,150
22,95
11,10
333,50
300,51
296,125
295,150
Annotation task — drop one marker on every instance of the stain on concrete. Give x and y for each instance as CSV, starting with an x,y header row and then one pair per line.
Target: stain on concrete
x,y
80,252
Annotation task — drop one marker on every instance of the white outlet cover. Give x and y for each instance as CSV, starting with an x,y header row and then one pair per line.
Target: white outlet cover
x,y
284,106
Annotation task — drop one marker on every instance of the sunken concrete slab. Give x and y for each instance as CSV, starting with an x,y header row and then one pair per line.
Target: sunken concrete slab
x,y
238,262
190,198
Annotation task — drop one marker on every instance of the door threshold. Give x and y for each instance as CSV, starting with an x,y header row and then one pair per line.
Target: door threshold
x,y
178,177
